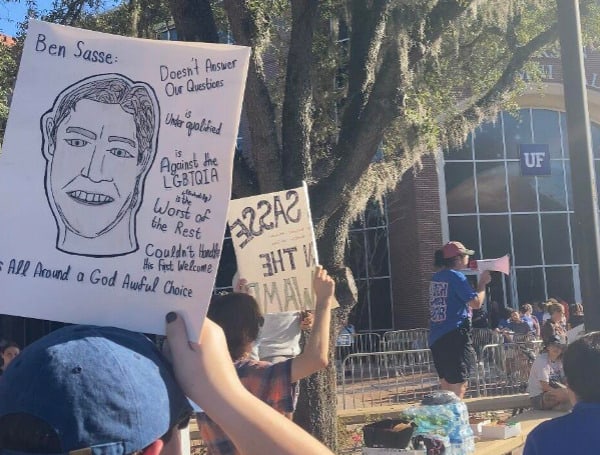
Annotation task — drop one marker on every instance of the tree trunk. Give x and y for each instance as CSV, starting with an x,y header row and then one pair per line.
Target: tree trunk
x,y
194,20
317,404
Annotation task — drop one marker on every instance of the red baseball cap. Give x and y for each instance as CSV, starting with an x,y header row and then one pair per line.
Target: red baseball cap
x,y
453,249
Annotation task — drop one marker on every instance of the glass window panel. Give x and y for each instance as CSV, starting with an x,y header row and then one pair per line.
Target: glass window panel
x,y
460,187
374,215
517,130
553,196
464,229
491,187
360,314
356,254
522,190
381,304
460,153
560,283
555,231
546,130
495,236
377,252
526,240
495,290
488,141
530,284
359,222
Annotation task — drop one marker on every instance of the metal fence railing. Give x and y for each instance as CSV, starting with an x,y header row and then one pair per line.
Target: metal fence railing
x,y
504,368
389,377
383,378
403,340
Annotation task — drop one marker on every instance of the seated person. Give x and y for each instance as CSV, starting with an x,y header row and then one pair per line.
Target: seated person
x,y
530,319
514,326
575,316
9,352
479,319
546,379
575,433
239,316
553,327
503,318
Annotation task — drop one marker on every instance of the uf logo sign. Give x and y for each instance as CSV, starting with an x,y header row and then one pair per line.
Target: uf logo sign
x,y
535,159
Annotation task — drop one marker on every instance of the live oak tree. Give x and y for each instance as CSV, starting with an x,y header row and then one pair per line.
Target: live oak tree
x,y
349,95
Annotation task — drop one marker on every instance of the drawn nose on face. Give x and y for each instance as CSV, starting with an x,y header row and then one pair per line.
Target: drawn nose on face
x,y
95,168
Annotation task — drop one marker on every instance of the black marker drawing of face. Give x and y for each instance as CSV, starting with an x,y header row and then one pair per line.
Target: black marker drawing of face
x,y
99,142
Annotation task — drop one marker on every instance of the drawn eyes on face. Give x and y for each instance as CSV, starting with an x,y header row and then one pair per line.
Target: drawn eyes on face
x,y
77,142
120,153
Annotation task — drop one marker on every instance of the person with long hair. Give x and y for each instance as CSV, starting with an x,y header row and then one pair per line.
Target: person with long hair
x,y
451,301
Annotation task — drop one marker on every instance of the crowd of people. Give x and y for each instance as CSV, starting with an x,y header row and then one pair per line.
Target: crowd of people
x,y
111,391
456,308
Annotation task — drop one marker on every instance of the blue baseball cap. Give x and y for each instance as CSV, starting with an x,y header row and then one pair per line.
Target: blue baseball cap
x,y
104,390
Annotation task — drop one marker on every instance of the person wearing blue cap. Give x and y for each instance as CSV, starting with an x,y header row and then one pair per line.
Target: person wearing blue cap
x,y
107,391
103,389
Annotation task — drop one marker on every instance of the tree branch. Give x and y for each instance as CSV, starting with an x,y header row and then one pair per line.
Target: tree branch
x,y
258,105
297,105
508,78
360,137
366,37
437,22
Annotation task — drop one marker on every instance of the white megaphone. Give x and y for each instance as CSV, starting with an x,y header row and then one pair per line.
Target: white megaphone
x,y
496,265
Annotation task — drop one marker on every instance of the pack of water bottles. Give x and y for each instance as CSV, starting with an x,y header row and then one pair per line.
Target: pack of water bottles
x,y
442,423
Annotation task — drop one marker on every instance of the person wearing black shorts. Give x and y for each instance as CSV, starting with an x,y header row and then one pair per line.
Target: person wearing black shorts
x,y
451,299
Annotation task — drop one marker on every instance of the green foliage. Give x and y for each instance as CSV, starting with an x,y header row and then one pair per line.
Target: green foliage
x,y
8,73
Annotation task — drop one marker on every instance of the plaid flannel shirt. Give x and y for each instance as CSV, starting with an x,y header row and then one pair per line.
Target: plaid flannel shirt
x,y
271,382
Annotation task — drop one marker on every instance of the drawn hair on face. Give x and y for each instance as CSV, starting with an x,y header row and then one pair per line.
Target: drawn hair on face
x,y
135,98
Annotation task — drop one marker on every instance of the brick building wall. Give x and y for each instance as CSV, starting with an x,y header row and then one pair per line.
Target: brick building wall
x,y
415,233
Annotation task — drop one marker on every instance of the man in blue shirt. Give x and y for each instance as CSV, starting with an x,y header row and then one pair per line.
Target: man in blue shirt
x,y
575,433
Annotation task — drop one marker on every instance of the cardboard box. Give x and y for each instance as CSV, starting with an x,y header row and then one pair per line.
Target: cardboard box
x,y
500,431
477,425
382,451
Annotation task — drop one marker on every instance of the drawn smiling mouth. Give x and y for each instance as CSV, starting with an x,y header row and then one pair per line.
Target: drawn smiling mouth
x,y
90,198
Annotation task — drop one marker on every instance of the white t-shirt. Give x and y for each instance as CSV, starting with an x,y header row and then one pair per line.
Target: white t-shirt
x,y
543,370
278,337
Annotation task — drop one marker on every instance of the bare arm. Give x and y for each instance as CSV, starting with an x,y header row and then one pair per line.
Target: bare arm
x,y
206,374
484,280
316,352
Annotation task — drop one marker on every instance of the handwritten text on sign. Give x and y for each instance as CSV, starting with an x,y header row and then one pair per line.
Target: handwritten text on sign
x,y
115,177
275,248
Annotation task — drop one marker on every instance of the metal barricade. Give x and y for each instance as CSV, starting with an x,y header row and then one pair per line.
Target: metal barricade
x,y
402,340
357,343
504,367
483,337
384,378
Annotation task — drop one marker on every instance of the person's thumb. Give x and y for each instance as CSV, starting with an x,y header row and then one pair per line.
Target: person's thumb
x,y
176,333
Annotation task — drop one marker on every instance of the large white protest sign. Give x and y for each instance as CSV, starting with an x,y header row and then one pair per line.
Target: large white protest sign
x,y
275,248
115,176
